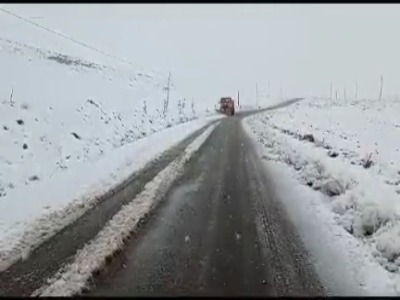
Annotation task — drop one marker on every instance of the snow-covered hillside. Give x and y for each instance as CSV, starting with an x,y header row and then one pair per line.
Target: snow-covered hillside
x,y
60,115
347,152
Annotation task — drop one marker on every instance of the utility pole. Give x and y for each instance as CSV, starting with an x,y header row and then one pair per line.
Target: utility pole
x,y
193,110
238,99
11,96
168,86
256,95
166,101
356,91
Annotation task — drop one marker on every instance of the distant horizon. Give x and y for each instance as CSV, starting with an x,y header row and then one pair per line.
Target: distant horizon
x,y
214,50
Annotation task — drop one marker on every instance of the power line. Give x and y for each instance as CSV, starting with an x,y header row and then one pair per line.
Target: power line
x,y
68,38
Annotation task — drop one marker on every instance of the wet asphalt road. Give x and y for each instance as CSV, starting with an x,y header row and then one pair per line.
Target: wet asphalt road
x,y
218,232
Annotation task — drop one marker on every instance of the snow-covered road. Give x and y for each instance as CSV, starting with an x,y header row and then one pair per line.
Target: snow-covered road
x,y
281,193
224,224
68,144
219,232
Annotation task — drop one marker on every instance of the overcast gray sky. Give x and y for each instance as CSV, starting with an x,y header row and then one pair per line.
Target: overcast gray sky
x,y
215,49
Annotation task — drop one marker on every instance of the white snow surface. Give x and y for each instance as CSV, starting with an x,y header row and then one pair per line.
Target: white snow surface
x,y
71,279
69,131
343,209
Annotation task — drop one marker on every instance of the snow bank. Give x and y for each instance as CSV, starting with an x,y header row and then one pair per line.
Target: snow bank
x,y
69,130
324,143
73,278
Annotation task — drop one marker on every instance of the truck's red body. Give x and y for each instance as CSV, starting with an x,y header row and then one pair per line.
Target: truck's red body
x,y
227,106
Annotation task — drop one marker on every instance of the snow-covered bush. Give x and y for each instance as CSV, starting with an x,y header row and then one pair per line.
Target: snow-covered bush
x,y
333,187
388,243
370,217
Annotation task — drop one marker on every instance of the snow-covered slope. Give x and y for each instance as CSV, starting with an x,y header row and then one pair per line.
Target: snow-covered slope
x,y
58,111
60,115
347,152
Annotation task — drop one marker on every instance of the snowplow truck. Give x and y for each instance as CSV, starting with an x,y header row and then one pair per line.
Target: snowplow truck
x,y
227,106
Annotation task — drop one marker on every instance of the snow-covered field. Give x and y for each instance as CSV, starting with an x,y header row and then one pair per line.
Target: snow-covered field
x,y
345,153
69,130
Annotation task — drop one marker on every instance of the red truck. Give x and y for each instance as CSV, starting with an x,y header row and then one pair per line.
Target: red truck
x,y
227,106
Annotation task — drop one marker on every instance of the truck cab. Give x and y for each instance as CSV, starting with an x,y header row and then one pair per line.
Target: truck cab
x,y
227,106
